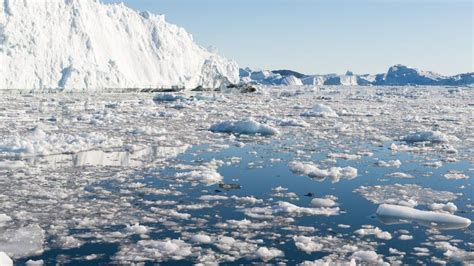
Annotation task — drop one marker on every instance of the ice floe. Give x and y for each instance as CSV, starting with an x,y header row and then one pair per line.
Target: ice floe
x,y
246,127
394,214
404,194
24,241
321,110
429,136
313,171
5,260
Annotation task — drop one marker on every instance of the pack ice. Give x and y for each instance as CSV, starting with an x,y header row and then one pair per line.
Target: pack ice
x,y
84,45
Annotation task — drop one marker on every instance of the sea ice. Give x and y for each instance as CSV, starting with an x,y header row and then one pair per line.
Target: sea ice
x,y
246,127
429,136
25,241
394,214
321,110
313,171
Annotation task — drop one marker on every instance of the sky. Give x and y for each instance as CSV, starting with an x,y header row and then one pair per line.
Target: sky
x,y
329,36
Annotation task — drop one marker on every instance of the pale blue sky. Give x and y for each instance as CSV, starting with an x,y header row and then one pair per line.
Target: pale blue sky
x,y
329,36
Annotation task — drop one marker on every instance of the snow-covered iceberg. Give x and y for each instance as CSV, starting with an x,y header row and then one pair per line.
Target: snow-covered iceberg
x,y
87,45
394,214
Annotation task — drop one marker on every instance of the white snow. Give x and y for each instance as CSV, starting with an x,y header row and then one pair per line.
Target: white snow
x,y
88,45
246,127
393,214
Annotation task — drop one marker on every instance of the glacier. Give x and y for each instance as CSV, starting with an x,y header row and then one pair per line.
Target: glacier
x,y
88,45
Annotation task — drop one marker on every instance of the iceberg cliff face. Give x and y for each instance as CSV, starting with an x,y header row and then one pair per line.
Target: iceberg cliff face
x,y
84,44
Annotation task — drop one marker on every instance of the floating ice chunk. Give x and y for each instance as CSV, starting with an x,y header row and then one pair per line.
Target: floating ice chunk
x,y
394,214
327,261
429,136
405,237
436,164
321,110
400,175
247,199
440,207
38,142
289,209
404,194
23,242
286,207
377,232
323,202
391,163
206,173
167,249
454,253
455,175
35,263
4,219
307,244
267,254
370,257
137,229
5,260
168,97
312,170
290,122
344,156
245,127
213,197
68,242
201,238
12,164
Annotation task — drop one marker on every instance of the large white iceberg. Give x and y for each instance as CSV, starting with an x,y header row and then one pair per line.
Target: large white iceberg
x,y
63,44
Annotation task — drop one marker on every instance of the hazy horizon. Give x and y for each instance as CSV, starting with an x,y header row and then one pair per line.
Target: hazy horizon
x,y
321,37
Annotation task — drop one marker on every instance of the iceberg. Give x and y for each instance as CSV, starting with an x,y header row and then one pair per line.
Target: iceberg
x,y
87,45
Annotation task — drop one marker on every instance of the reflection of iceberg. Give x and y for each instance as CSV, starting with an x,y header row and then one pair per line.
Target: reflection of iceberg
x,y
135,158
394,214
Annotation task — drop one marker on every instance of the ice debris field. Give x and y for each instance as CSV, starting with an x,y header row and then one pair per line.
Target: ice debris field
x,y
295,175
